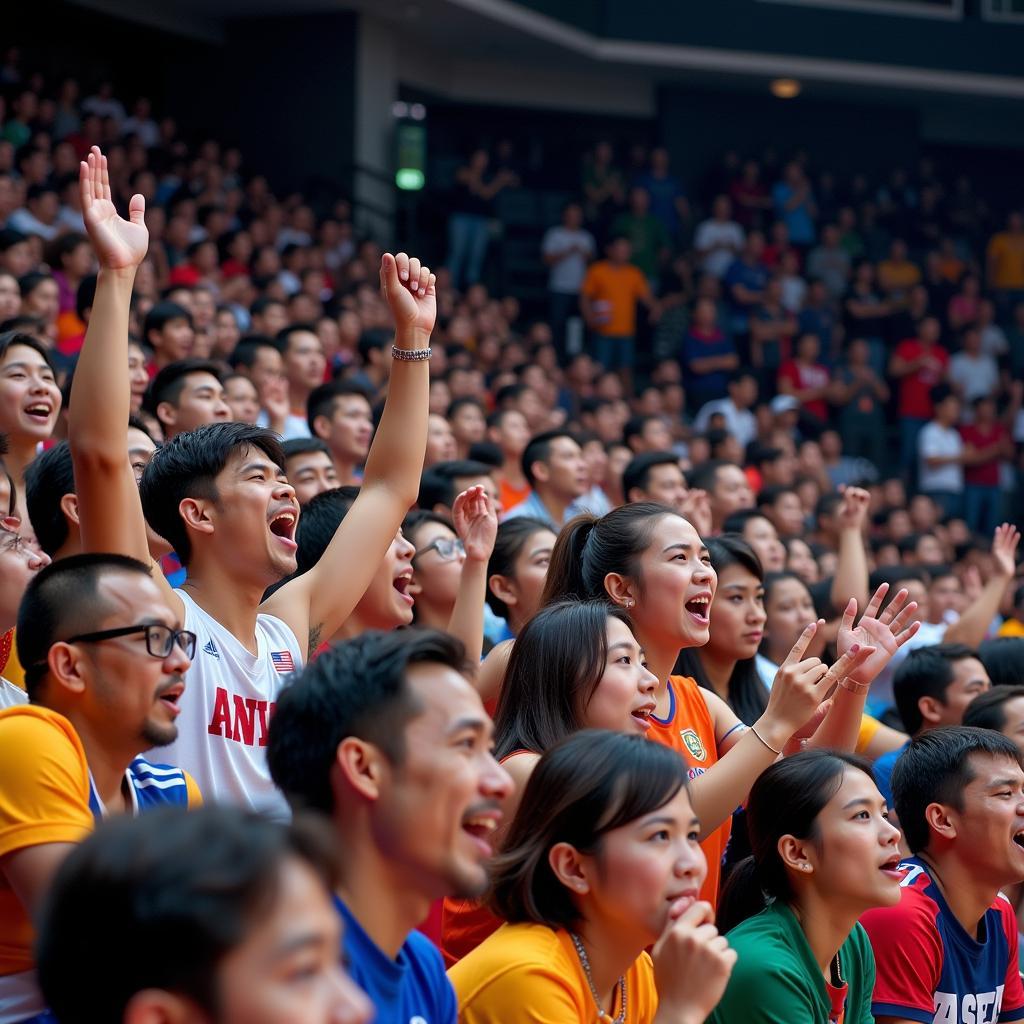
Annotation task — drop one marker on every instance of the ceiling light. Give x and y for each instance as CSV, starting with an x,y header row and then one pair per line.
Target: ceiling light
x,y
785,88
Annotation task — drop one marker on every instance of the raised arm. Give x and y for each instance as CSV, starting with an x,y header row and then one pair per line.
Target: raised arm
x,y
318,602
972,626
477,526
851,578
109,508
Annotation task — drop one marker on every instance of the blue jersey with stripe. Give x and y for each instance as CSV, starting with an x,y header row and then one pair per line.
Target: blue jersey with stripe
x,y
149,786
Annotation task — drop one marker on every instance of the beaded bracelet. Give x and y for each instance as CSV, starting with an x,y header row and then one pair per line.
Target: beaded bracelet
x,y
410,355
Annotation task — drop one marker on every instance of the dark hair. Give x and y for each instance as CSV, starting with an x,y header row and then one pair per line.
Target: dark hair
x,y
437,485
588,548
936,768
48,477
736,522
786,799
539,450
303,446
322,399
320,519
748,696
373,339
245,351
638,472
187,467
283,338
11,338
513,536
988,710
85,296
161,315
925,672
703,476
584,787
635,426
356,688
418,517
62,600
556,665
458,403
181,889
770,495
1003,658
169,383
29,282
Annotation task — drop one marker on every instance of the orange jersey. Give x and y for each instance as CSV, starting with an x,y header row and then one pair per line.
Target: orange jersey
x,y
690,730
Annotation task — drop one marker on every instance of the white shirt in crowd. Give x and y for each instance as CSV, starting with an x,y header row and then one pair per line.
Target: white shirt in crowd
x,y
566,276
977,375
936,441
226,707
724,239
739,422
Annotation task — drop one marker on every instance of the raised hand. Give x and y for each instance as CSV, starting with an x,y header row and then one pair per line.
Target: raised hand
x,y
476,523
696,509
796,691
274,398
119,244
692,965
1004,549
409,290
885,633
853,509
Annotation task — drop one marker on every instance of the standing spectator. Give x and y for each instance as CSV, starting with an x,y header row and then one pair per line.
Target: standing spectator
x,y
719,239
142,125
897,274
608,299
750,196
794,205
469,224
941,451
104,104
965,305
993,337
987,443
866,314
667,195
745,282
604,187
919,364
1015,341
818,316
1005,262
650,241
771,330
972,373
806,379
829,262
567,249
708,356
861,395
793,286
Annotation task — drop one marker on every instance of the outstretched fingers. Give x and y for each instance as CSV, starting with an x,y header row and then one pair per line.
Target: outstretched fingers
x,y
849,663
802,643
875,603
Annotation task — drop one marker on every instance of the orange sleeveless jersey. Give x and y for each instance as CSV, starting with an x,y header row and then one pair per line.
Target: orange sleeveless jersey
x,y
690,731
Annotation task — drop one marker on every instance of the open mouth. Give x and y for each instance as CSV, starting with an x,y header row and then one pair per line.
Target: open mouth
x,y
480,826
642,715
1018,838
40,411
891,867
282,526
402,584
170,696
699,609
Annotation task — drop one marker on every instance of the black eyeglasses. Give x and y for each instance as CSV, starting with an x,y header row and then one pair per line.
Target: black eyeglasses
x,y
160,640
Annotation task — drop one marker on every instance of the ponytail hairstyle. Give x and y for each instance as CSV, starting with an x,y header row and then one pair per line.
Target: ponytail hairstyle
x,y
555,666
747,695
589,548
584,787
785,800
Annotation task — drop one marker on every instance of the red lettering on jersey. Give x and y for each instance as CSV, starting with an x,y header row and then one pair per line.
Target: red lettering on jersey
x,y
220,724
245,719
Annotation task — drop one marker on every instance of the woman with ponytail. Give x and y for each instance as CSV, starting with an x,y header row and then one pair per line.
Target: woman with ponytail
x,y
601,863
649,560
823,853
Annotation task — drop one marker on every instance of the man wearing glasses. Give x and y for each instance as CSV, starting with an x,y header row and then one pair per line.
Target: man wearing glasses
x,y
105,662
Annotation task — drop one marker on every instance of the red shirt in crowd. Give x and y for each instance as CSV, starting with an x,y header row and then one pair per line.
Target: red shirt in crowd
x,y
915,388
802,376
984,474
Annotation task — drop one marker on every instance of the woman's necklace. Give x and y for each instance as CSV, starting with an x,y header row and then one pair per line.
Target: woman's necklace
x,y
581,952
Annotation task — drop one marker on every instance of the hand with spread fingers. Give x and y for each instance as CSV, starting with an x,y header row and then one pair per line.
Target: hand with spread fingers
x,y
885,632
476,523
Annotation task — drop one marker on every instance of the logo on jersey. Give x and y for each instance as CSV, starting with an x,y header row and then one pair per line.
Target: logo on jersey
x,y
211,648
283,661
693,744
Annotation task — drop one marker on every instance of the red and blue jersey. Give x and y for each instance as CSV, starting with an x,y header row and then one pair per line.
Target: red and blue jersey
x,y
930,969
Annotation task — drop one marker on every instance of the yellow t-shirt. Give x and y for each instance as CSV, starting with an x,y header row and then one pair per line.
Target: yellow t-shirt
x,y
44,798
1011,627
1006,252
531,974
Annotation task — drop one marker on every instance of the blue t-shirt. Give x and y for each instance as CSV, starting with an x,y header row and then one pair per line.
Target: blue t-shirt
x,y
413,989
929,968
883,771
798,220
754,278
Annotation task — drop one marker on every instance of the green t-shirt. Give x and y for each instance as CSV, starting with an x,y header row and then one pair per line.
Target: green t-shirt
x,y
648,237
776,979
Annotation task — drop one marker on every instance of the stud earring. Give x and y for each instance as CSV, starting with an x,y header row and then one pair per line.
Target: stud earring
x,y
629,602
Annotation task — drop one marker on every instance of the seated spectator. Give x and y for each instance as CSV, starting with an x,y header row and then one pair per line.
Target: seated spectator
x,y
656,476
242,398
468,419
708,356
445,481
440,440
222,906
760,533
168,331
735,409
932,688
1014,623
380,733
516,573
949,947
304,366
647,434
781,506
39,214
339,414
309,467
1000,709
186,394
554,468
727,488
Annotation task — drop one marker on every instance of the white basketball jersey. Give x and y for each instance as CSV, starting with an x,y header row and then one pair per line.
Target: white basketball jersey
x,y
225,711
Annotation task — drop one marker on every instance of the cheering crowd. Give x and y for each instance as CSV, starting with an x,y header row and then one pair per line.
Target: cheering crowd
x,y
512,693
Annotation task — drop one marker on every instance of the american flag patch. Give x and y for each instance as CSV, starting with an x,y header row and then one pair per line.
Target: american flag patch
x,y
282,661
